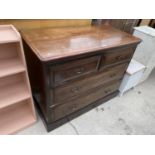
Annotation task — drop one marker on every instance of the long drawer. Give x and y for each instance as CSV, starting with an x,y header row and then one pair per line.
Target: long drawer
x,y
78,87
84,100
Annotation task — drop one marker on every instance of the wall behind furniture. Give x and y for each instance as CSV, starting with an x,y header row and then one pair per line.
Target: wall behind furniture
x,y
122,24
145,22
40,23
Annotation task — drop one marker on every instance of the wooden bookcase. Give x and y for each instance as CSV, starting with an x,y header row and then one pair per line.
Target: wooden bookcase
x,y
16,103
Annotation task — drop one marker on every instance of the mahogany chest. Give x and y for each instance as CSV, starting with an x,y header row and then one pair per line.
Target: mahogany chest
x,y
72,70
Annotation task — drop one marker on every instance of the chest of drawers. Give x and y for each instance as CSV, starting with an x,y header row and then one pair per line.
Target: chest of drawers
x,y
72,70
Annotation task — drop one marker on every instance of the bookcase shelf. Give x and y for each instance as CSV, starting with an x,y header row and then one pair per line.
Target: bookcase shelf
x,y
16,117
10,59
10,66
13,89
16,103
8,34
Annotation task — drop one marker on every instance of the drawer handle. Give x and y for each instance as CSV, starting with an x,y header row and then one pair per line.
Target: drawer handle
x,y
80,70
113,75
73,107
122,57
75,90
118,57
126,57
107,91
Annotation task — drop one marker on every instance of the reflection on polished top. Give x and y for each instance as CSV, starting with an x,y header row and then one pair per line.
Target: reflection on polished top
x,y
57,43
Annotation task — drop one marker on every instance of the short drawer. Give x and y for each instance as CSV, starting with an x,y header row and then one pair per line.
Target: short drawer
x,y
116,56
78,87
73,69
71,106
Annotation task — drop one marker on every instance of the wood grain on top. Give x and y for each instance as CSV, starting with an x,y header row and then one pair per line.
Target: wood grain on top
x,y
57,43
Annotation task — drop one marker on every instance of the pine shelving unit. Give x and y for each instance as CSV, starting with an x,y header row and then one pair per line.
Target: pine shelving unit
x,y
16,103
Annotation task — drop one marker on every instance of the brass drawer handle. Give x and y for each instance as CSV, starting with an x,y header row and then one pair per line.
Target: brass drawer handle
x,y
69,109
126,57
122,57
118,57
75,90
80,70
72,107
107,91
113,75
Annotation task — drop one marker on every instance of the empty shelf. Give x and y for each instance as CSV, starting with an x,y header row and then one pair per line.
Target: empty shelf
x,y
16,105
12,94
15,118
10,66
8,34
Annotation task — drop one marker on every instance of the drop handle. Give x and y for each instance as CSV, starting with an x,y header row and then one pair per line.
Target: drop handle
x,y
73,107
112,75
118,57
107,91
80,70
75,90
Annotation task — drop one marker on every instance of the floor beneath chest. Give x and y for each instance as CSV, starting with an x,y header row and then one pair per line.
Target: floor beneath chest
x,y
133,113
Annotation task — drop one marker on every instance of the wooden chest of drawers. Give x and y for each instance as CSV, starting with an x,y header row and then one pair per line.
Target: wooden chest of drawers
x,y
72,70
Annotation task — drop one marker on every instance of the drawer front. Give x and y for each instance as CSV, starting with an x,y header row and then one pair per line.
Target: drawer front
x,y
75,88
71,106
74,69
117,56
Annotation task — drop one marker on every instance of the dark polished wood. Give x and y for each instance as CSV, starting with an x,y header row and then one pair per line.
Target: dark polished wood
x,y
55,124
122,54
73,68
84,99
52,44
87,83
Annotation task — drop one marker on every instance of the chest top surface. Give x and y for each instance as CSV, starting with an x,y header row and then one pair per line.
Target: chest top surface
x,y
56,43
